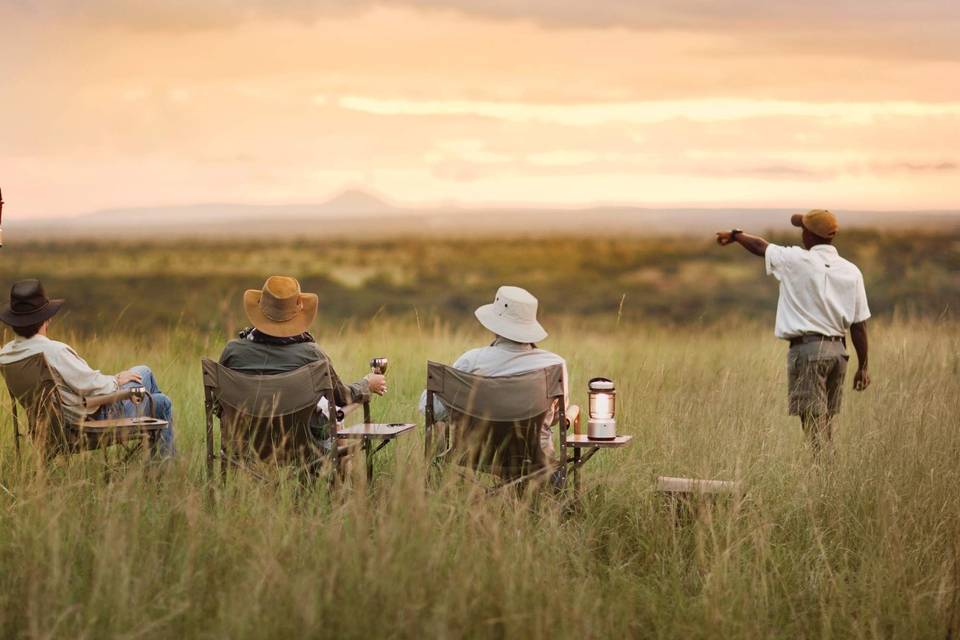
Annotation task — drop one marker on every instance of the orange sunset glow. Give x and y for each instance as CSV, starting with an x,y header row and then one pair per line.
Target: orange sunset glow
x,y
110,104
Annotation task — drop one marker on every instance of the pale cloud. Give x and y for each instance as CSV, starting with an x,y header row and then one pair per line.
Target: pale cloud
x,y
180,14
651,111
470,151
652,14
915,28
855,28
944,166
566,158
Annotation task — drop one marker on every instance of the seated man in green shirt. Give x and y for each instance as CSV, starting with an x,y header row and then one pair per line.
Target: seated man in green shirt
x,y
279,342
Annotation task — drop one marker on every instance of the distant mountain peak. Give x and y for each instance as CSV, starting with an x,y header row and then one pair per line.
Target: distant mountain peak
x,y
357,201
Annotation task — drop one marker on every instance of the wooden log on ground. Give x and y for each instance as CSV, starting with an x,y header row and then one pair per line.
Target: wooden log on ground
x,y
690,497
666,484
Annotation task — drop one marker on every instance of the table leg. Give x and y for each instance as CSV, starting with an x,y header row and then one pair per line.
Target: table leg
x,y
368,458
576,471
153,444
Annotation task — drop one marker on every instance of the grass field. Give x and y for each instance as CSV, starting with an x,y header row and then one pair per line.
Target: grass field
x,y
868,546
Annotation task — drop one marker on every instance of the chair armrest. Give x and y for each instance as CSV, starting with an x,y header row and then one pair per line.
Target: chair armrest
x,y
95,402
573,416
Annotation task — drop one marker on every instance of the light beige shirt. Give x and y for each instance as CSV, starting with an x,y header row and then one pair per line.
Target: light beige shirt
x,y
75,378
820,292
503,358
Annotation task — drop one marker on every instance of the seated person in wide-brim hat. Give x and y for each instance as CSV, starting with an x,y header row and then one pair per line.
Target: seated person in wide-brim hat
x,y
279,342
512,317
29,315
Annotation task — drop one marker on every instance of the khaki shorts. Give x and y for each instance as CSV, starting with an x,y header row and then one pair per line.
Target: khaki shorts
x,y
815,374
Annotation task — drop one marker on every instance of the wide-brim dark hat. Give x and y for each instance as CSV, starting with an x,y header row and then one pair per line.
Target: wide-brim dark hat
x,y
29,305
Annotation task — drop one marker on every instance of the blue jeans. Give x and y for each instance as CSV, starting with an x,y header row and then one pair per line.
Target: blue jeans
x,y
163,409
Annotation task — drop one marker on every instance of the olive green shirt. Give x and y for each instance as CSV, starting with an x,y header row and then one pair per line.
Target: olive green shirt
x,y
270,359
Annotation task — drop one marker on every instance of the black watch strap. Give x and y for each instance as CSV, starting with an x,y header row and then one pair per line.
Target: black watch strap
x,y
734,233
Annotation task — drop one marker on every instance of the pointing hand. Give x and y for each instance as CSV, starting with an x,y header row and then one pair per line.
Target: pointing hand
x,y
724,238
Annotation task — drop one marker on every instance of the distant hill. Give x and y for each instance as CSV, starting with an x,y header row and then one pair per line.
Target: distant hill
x,y
348,203
356,213
356,202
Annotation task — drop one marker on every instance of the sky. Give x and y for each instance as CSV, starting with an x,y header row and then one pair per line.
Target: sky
x,y
744,103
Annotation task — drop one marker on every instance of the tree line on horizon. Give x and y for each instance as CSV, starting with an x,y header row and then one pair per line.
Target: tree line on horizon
x,y
135,286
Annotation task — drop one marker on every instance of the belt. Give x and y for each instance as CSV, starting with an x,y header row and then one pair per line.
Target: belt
x,y
815,337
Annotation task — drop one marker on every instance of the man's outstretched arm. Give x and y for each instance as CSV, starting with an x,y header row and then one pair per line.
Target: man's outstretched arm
x,y
754,244
858,332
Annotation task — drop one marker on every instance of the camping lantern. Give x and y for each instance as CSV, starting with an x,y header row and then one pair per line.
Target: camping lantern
x,y
379,365
603,409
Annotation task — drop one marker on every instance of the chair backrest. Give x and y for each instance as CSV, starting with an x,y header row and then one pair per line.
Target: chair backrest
x,y
497,421
268,416
33,385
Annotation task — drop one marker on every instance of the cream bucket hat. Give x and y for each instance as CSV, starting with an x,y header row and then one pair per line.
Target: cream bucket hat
x,y
512,315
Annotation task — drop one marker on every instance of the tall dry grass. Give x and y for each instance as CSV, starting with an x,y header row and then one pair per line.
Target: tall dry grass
x,y
866,546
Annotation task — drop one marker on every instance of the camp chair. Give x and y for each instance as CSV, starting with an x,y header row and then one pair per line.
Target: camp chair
x,y
266,418
32,384
494,423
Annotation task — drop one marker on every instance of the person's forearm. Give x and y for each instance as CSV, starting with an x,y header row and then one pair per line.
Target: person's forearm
x,y
80,377
754,244
344,394
860,344
357,392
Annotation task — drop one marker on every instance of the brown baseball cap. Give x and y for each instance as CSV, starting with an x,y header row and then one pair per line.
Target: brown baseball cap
x,y
819,222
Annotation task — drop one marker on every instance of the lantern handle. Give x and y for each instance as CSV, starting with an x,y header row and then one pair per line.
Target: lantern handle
x,y
601,384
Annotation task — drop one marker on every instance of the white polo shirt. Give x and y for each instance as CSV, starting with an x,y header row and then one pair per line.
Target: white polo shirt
x,y
820,292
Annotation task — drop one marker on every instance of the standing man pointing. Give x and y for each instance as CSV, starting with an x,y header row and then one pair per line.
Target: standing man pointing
x,y
821,297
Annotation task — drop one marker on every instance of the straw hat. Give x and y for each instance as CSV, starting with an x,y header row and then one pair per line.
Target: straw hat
x,y
280,309
512,315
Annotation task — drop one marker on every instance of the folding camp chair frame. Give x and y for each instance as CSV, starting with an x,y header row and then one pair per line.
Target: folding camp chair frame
x,y
560,466
213,408
40,398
